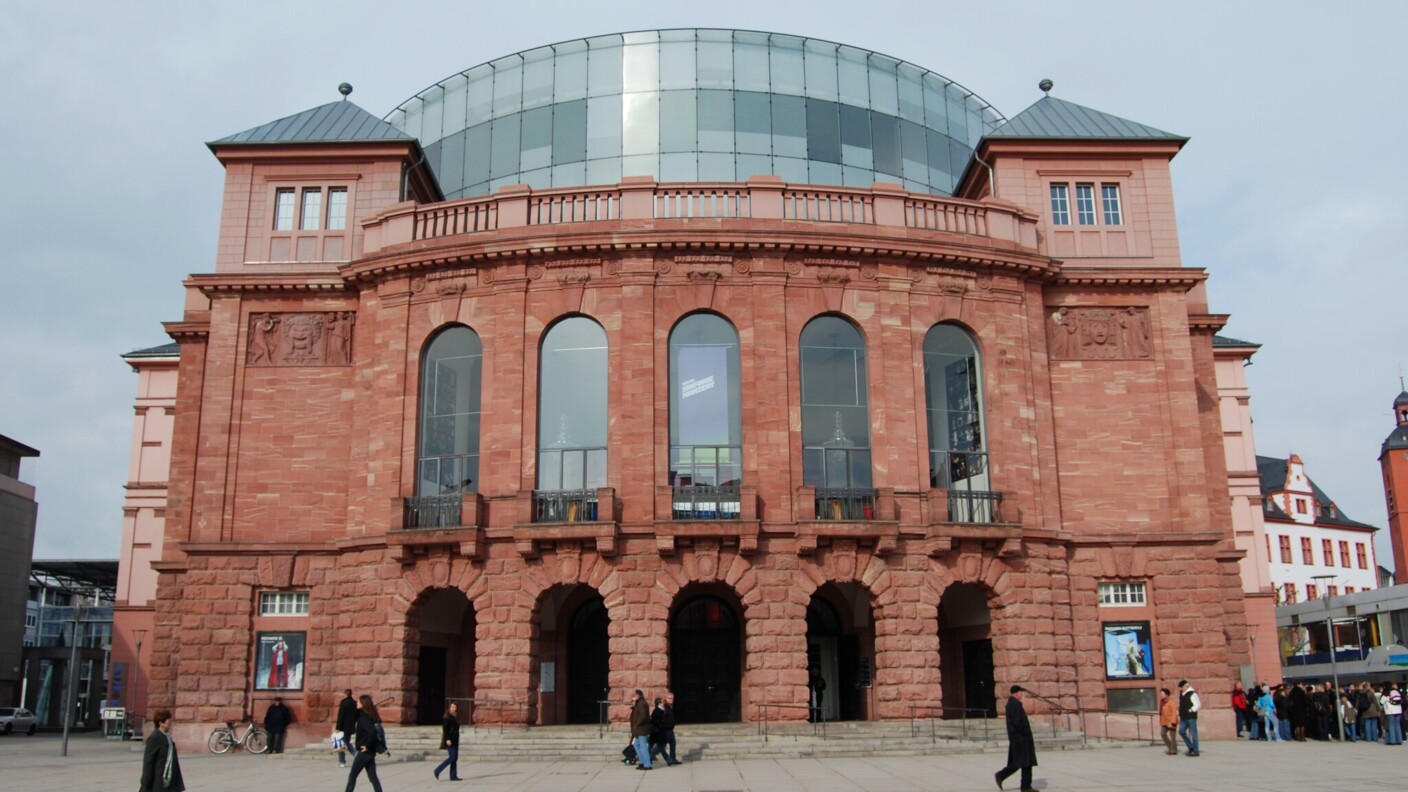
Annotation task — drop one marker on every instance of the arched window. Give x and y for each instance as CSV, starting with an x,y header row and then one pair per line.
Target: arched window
x,y
706,427
836,419
448,458
953,395
571,420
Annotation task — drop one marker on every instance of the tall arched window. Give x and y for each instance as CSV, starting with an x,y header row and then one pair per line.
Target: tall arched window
x,y
706,427
448,458
836,419
953,394
571,420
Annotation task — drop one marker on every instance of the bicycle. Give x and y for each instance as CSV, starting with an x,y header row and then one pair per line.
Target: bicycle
x,y
255,739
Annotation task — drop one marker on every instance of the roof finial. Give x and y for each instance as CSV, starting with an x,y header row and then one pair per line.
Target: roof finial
x,y
1046,86
345,89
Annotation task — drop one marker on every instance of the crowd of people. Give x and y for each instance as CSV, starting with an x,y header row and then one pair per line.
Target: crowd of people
x,y
1303,711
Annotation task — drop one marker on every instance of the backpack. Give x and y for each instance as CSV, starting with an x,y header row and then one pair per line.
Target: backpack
x,y
381,740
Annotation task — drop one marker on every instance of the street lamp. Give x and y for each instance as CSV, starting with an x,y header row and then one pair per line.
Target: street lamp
x,y
1330,631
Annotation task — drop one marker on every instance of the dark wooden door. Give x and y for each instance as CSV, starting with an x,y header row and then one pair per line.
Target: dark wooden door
x,y
430,707
588,663
705,669
977,677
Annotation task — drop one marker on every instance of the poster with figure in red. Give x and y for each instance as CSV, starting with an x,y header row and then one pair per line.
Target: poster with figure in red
x,y
279,661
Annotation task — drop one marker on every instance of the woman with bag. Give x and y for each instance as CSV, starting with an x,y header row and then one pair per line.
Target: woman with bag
x,y
367,742
450,741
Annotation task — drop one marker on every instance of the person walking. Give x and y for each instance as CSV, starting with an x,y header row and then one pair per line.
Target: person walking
x,y
1021,747
1188,706
1168,721
346,723
640,731
276,721
161,768
450,741
368,743
666,725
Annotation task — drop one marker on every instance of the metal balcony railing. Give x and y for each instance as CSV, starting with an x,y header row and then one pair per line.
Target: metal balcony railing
x,y
706,502
433,511
564,506
845,504
974,506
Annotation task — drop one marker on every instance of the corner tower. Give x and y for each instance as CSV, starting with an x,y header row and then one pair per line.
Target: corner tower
x,y
1393,458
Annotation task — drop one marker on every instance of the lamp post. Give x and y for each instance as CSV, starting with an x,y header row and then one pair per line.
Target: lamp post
x,y
139,634
1256,677
1330,631
71,688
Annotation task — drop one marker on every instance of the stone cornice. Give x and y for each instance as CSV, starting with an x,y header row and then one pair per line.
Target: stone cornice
x,y
225,283
187,331
1209,323
1180,278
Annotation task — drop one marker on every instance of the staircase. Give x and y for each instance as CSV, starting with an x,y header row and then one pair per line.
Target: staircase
x,y
713,741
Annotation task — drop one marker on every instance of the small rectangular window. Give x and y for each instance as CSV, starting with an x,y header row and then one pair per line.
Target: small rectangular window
x,y
1363,555
1123,594
1327,549
1060,205
1286,550
337,208
1307,554
1085,204
312,209
1311,591
1344,555
1334,591
283,603
283,210
1291,593
1110,201
1349,589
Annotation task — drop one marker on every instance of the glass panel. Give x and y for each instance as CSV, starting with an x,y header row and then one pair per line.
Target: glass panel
x,y
572,389
451,381
312,210
884,93
678,167
752,165
603,127
716,167
789,126
574,469
337,208
604,171
539,178
1060,205
480,100
785,65
476,154
678,123
750,61
791,169
823,131
820,60
857,177
504,156
860,469
837,468
911,93
824,173
570,175
704,384
596,469
716,122
283,210
957,115
604,70
451,156
677,64
414,115
569,75
855,137
641,165
914,149
935,104
433,114
1085,204
1110,198
537,78
456,92
569,132
939,176
853,77
752,123
715,64
640,123
550,470
508,85
536,139
885,142
640,67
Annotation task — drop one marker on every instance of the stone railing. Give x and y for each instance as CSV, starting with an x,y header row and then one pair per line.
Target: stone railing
x,y
641,198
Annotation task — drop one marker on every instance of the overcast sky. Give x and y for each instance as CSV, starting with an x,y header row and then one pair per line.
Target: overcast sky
x,y
1290,193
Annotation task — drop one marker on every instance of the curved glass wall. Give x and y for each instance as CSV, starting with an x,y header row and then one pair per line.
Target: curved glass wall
x,y
696,105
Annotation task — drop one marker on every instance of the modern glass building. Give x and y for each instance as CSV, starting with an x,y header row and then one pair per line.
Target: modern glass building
x,y
696,105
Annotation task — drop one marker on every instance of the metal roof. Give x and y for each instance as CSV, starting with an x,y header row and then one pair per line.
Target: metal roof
x,y
172,349
1227,342
335,122
1397,439
1273,479
97,576
1052,118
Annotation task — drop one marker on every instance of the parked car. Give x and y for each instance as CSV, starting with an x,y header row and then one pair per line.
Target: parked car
x,y
13,719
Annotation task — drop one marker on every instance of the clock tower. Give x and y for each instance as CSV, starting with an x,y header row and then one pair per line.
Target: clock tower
x,y
1393,458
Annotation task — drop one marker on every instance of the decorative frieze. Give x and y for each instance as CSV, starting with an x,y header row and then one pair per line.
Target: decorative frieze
x,y
300,339
1100,334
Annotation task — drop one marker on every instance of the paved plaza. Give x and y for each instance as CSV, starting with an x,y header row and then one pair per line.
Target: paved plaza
x,y
34,764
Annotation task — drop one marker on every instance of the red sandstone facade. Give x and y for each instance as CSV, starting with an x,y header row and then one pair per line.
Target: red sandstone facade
x,y
295,452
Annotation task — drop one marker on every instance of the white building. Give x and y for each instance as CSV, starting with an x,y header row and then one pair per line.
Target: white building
x,y
1314,548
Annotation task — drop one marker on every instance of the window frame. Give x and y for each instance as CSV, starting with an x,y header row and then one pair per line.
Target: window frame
x,y
1344,555
284,604
1307,551
1122,593
460,482
293,237
1362,552
1327,551
1106,211
1286,555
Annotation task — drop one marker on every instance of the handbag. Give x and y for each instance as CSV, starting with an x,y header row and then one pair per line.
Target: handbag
x,y
339,742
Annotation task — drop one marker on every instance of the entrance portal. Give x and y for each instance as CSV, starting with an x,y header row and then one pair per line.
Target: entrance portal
x,y
571,655
446,654
840,645
706,661
588,662
965,653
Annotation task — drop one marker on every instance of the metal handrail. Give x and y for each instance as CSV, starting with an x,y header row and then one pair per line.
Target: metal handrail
x,y
987,716
565,506
1138,716
814,714
705,502
845,504
433,511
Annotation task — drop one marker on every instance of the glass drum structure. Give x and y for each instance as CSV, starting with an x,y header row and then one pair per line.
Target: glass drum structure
x,y
695,105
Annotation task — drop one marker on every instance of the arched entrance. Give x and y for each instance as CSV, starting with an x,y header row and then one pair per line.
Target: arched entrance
x,y
840,651
965,652
706,660
446,653
573,655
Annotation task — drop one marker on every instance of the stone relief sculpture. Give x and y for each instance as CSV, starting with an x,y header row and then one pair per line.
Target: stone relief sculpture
x,y
1100,334
300,339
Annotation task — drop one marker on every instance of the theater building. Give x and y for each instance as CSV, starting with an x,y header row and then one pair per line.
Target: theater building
x,y
711,361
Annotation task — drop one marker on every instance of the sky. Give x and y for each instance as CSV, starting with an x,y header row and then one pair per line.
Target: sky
x,y
1290,192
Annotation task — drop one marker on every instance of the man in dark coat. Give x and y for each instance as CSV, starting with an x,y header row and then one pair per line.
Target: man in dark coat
x,y
640,730
161,770
276,722
346,723
1021,747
